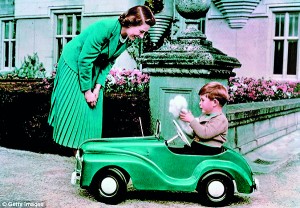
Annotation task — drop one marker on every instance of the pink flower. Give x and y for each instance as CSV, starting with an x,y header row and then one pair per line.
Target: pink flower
x,y
127,80
247,89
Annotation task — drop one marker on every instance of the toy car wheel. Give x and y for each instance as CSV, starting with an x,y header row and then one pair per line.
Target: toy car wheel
x,y
216,189
110,186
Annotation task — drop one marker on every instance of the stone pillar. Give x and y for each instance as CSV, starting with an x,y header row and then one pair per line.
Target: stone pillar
x,y
183,66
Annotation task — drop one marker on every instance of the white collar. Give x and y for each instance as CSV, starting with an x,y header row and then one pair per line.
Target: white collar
x,y
122,40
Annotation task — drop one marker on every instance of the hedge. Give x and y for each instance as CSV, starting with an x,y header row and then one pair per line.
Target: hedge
x,y
24,109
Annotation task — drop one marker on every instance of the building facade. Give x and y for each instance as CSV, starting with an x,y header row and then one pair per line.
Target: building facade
x,y
45,26
262,34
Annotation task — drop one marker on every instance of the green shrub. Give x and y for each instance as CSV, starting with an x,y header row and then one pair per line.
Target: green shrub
x,y
31,68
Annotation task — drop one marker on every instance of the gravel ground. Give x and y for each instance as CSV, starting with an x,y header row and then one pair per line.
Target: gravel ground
x,y
45,178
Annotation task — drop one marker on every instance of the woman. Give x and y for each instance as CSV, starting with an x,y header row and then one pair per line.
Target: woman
x,y
77,97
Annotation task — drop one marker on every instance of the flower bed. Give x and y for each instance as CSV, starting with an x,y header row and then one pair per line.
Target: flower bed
x,y
126,103
241,89
127,81
244,89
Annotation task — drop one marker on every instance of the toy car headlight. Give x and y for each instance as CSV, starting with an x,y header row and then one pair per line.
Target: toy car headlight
x,y
256,187
79,154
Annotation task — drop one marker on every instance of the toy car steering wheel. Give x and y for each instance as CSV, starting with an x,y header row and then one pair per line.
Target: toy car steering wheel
x,y
181,134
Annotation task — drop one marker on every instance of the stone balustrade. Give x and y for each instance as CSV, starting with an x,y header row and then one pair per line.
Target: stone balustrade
x,y
253,125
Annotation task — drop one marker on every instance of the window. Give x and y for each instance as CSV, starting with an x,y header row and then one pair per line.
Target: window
x,y
9,44
286,41
201,26
67,27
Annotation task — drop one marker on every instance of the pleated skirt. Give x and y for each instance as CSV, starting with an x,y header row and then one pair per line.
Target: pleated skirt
x,y
72,119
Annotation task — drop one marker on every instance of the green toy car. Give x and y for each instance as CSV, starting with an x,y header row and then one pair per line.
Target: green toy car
x,y
105,166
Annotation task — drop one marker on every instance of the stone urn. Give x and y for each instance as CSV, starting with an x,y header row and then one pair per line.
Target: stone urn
x,y
192,10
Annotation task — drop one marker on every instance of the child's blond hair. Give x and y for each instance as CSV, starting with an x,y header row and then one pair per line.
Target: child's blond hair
x,y
215,90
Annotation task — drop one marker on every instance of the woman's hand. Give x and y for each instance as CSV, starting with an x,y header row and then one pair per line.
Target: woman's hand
x,y
90,98
186,116
97,90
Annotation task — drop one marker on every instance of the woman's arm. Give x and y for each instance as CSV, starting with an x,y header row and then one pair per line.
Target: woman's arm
x,y
91,49
103,74
97,90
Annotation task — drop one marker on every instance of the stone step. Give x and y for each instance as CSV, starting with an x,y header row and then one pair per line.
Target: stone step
x,y
273,155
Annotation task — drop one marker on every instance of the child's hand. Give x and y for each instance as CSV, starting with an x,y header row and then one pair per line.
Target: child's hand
x,y
186,116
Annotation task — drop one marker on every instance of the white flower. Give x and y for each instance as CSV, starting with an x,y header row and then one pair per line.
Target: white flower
x,y
233,88
244,85
274,88
111,80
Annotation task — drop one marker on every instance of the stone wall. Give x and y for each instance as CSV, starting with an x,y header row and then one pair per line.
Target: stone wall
x,y
256,124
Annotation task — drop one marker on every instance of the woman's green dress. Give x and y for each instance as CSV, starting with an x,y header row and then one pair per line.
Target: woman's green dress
x,y
85,61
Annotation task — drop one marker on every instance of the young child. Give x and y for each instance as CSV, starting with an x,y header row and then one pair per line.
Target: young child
x,y
211,127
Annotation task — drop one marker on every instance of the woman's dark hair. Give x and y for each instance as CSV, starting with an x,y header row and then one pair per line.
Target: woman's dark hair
x,y
136,16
